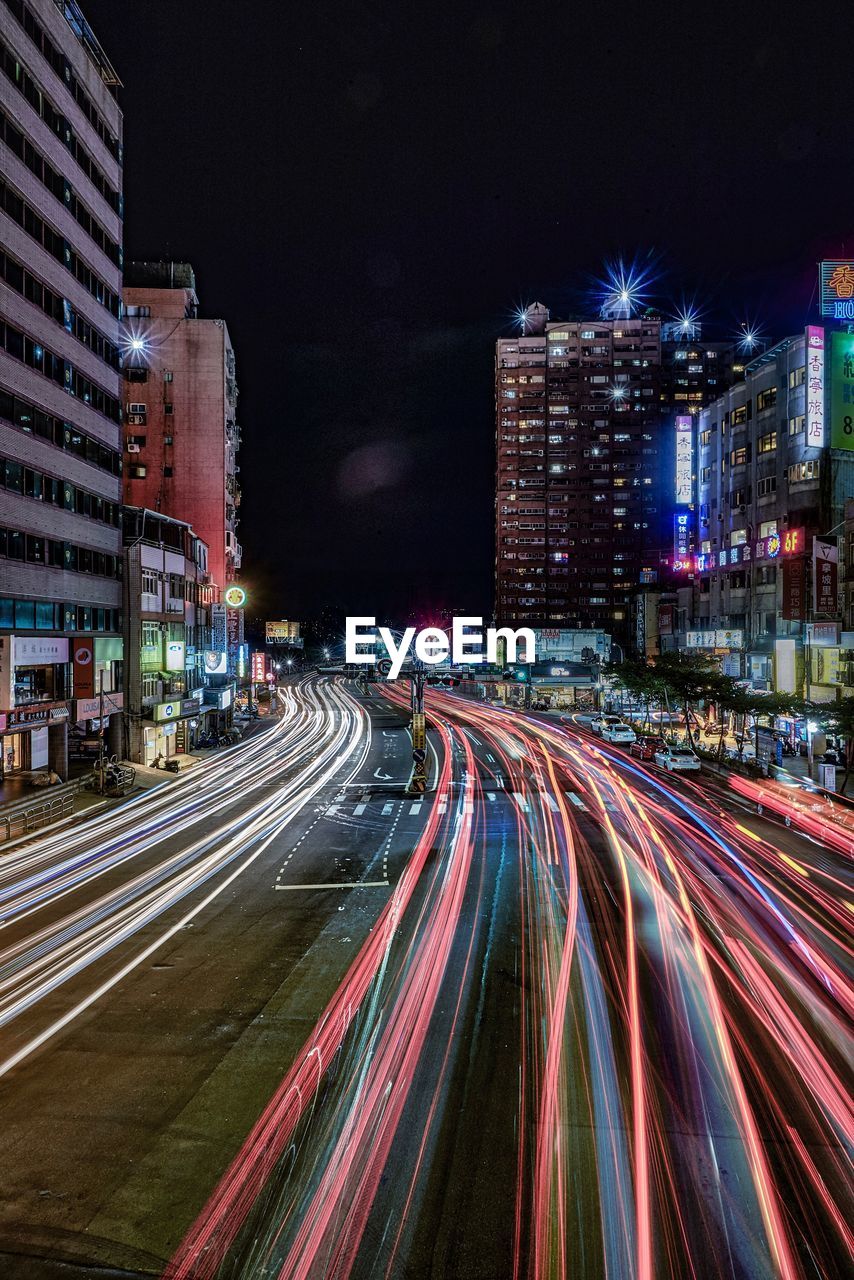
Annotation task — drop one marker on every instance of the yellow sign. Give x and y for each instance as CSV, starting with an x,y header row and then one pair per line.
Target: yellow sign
x,y
234,597
419,731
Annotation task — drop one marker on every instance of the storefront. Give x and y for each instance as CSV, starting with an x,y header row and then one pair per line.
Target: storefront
x,y
25,737
168,733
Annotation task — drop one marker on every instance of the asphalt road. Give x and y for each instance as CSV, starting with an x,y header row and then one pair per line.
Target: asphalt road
x,y
579,1019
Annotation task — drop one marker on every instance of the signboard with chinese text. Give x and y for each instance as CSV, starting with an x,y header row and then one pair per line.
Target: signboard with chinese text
x,y
83,653
281,632
259,665
825,563
841,390
684,459
794,591
718,639
836,279
814,400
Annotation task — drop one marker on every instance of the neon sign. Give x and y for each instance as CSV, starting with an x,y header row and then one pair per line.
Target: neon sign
x,y
684,458
814,406
837,289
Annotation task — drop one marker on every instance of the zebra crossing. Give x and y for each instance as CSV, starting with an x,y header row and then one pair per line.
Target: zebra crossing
x,y
369,805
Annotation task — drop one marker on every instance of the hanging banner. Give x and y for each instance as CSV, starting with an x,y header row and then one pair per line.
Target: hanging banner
x,y
841,390
825,565
794,591
814,404
83,652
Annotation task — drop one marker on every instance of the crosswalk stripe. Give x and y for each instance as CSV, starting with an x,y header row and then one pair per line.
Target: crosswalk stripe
x,y
443,806
468,806
576,800
415,808
551,802
387,808
521,801
491,795
333,808
360,808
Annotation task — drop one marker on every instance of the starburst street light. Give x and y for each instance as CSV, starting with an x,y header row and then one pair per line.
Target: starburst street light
x,y
135,345
749,337
624,291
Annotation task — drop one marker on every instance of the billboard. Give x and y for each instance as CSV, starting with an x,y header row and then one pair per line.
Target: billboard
x,y
83,653
259,665
684,460
215,662
794,590
841,390
175,655
814,401
825,565
281,632
836,280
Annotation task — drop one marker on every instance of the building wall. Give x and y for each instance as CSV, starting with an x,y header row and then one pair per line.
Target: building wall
x,y
65,304
186,463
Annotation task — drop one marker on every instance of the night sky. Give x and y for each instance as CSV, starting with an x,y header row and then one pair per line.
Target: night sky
x,y
368,190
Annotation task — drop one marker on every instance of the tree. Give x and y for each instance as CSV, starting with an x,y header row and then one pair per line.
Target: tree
x,y
690,679
838,717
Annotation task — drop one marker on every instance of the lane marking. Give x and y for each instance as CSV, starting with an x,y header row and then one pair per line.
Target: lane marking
x,y
360,808
521,801
491,796
333,808
416,807
349,884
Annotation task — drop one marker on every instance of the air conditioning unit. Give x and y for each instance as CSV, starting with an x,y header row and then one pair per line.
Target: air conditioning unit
x,y
133,448
743,507
136,419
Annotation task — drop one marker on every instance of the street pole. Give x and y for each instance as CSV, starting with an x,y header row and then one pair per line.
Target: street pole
x,y
418,779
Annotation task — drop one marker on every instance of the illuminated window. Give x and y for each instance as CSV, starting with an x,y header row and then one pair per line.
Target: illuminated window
x,y
796,425
767,528
798,377
803,471
766,399
560,335
739,415
767,443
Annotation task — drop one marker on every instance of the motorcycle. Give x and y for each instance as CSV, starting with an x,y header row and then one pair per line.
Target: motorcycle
x,y
169,766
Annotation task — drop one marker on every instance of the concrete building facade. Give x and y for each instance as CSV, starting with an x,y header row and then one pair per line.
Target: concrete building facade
x,y
170,699
180,389
60,383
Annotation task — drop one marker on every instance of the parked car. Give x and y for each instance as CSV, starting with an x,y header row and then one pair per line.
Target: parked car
x,y
676,758
619,733
599,723
646,747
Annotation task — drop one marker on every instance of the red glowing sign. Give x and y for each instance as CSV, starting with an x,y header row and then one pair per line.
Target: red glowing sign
x,y
793,542
259,666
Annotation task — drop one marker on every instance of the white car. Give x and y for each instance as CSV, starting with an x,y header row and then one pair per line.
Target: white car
x,y
622,734
600,723
673,758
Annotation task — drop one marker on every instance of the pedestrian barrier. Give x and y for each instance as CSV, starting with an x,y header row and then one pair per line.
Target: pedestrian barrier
x,y
20,819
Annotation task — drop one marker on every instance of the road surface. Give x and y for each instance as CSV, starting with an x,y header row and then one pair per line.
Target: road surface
x,y
577,1018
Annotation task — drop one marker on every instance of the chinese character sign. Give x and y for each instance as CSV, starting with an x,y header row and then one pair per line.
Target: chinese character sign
x,y
684,494
814,402
825,563
794,591
259,666
841,390
837,289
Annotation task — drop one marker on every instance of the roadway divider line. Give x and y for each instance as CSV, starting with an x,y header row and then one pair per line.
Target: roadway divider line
x,y
349,884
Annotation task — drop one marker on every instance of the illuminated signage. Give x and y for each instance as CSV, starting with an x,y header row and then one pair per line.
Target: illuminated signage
x,y
234,597
175,655
841,390
216,663
772,546
168,710
681,538
719,639
242,659
281,632
837,289
259,665
684,458
814,404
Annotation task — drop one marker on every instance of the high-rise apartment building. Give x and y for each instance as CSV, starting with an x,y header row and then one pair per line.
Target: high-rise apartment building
x,y
180,393
586,417
60,381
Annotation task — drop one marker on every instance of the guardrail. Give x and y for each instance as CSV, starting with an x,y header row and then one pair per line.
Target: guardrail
x,y
29,814
30,817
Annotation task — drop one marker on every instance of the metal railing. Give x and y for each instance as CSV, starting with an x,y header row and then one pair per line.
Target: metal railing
x,y
21,819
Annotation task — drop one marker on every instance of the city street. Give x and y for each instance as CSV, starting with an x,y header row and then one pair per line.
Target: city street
x,y
578,1018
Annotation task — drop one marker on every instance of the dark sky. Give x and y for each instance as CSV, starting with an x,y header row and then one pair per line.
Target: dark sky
x,y
367,190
